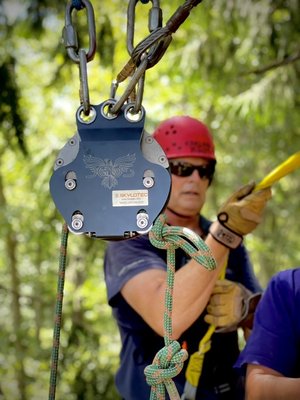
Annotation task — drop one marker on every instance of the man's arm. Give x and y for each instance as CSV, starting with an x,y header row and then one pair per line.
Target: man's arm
x,y
145,292
264,383
193,285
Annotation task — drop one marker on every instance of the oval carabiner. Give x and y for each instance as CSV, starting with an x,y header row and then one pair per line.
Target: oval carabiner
x,y
70,35
155,20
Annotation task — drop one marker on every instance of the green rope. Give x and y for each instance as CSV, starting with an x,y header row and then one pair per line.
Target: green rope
x,y
58,311
169,361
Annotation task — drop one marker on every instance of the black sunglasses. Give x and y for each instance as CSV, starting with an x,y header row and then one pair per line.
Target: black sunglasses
x,y
184,169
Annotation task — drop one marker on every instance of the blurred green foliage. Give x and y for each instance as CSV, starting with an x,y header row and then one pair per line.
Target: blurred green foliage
x,y
233,64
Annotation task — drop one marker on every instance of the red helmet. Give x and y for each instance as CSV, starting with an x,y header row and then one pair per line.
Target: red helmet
x,y
184,136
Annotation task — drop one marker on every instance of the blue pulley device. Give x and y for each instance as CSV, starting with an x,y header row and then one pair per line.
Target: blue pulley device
x,y
111,179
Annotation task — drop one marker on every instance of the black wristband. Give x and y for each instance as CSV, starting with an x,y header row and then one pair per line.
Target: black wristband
x,y
225,235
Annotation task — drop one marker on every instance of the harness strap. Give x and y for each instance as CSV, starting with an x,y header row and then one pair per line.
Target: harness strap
x,y
195,364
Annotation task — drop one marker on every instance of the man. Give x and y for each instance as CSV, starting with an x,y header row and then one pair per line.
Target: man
x,y
272,353
135,271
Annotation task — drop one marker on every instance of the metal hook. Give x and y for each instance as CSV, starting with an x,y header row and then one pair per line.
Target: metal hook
x,y
154,22
70,35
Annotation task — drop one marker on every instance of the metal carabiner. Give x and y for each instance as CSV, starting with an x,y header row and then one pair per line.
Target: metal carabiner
x,y
138,74
84,87
154,22
70,35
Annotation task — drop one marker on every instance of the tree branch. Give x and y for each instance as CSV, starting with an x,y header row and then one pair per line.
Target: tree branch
x,y
275,64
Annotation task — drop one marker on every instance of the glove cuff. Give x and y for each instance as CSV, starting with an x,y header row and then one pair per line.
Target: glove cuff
x,y
224,235
249,310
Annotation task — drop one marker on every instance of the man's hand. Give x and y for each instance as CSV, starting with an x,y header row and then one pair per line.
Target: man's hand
x,y
242,212
227,304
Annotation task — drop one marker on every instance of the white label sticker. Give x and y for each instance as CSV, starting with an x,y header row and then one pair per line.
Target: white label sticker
x,y
127,198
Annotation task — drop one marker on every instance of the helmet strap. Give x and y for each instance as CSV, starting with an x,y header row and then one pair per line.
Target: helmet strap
x,y
187,220
176,213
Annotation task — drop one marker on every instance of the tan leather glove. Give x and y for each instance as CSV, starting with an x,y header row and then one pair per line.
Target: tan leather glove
x,y
227,305
242,212
239,215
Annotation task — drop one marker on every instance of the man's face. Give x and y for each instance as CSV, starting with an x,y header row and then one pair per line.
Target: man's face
x,y
188,193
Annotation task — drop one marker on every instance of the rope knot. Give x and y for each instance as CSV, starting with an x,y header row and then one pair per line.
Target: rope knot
x,y
167,363
168,237
159,234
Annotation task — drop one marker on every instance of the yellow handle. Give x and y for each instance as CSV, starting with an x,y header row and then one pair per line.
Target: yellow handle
x,y
289,165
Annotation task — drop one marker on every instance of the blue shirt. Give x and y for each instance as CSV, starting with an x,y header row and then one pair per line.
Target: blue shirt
x,y
123,260
275,338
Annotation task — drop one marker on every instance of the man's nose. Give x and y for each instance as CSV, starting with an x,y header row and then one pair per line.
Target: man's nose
x,y
195,175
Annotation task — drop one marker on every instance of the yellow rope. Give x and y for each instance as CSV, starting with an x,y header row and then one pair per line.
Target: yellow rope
x,y
283,169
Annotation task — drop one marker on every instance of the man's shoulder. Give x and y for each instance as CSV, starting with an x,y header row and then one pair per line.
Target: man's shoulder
x,y
283,289
287,278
